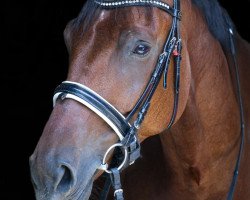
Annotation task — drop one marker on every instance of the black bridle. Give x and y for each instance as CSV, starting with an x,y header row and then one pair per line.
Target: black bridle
x,y
126,131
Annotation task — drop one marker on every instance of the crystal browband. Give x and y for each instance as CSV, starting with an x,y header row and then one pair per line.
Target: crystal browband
x,y
117,3
164,6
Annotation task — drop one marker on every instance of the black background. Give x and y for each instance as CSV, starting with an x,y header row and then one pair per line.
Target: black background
x,y
33,62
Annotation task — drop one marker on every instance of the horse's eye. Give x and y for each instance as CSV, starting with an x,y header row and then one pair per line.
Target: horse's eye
x,y
141,49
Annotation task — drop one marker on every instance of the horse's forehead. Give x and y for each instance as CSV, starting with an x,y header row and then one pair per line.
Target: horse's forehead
x,y
104,32
120,18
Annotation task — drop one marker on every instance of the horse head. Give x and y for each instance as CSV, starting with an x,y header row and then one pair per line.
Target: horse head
x,y
129,78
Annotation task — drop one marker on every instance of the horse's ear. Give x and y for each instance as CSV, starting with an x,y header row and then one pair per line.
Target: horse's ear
x,y
68,36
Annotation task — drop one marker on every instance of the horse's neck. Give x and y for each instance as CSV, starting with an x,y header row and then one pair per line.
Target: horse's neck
x,y
203,145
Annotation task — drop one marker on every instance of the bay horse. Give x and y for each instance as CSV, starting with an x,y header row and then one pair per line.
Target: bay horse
x,y
193,130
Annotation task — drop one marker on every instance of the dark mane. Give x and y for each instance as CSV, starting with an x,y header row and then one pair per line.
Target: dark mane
x,y
217,19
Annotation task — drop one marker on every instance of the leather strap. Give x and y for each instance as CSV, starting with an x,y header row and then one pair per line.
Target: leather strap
x,y
96,103
116,182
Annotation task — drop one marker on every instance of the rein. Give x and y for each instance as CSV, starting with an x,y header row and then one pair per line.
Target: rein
x,y
240,102
126,131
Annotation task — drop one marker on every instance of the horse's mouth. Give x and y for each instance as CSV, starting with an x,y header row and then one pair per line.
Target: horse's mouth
x,y
81,193
86,192
92,190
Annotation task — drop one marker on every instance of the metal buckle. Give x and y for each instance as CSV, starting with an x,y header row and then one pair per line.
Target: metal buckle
x,y
104,165
118,191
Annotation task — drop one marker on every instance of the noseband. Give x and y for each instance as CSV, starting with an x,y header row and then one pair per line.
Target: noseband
x,y
126,131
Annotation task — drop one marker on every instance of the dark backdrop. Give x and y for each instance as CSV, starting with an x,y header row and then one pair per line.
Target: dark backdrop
x,y
34,61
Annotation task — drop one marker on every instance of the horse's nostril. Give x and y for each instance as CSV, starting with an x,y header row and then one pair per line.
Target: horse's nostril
x,y
65,180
